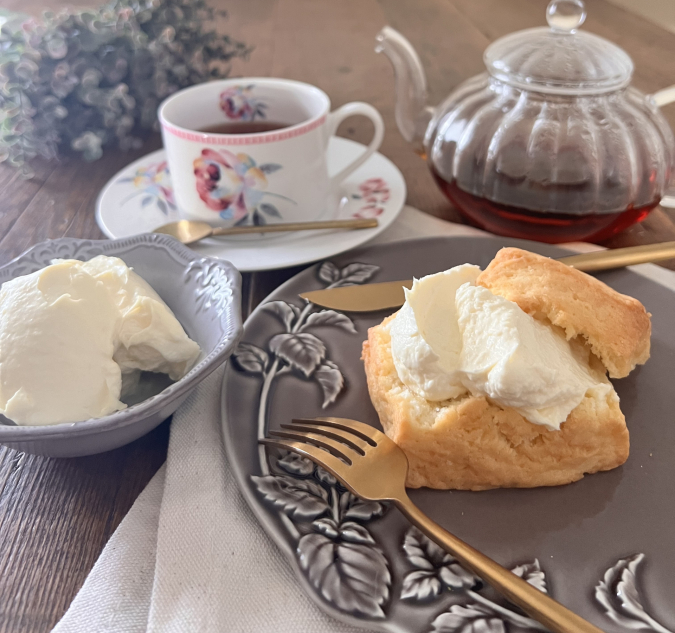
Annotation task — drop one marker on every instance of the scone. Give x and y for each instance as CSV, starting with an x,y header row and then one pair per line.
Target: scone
x,y
616,327
472,443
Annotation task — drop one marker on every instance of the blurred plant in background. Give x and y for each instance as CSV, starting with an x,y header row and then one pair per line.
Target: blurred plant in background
x,y
94,78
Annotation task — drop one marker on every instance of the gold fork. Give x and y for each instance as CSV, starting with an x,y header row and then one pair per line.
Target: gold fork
x,y
374,468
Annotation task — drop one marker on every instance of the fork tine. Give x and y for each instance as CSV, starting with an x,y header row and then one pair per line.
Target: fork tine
x,y
324,459
338,449
364,431
351,440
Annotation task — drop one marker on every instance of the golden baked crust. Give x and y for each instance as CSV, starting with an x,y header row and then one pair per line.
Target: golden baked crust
x,y
617,328
471,444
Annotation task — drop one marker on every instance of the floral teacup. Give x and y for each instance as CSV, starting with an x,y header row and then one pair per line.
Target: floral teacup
x,y
260,177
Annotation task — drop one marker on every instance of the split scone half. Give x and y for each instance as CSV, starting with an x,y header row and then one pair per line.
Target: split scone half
x,y
472,443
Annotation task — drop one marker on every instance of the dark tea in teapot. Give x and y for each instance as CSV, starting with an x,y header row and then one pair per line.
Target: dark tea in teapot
x,y
542,226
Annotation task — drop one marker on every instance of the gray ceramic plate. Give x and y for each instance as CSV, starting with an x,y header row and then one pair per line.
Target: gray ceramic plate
x,y
604,546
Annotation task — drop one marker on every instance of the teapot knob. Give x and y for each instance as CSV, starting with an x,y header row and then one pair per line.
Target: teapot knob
x,y
565,16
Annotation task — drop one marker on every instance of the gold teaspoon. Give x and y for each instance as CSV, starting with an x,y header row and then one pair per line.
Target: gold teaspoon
x,y
191,231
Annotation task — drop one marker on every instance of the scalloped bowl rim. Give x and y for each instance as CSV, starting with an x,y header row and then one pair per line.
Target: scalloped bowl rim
x,y
146,408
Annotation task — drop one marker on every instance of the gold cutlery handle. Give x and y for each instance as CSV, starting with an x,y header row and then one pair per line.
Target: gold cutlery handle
x,y
535,603
617,258
367,223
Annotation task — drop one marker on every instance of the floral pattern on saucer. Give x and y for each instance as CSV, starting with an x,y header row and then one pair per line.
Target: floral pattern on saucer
x,y
153,183
375,193
234,185
239,104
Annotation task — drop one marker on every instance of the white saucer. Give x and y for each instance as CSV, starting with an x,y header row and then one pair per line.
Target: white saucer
x,y
140,198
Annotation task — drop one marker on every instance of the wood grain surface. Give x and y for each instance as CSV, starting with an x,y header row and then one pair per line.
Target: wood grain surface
x,y
56,515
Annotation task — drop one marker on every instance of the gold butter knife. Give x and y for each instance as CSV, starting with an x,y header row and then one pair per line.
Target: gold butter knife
x,y
390,294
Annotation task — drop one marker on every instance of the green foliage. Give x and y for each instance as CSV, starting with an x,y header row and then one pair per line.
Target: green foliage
x,y
94,78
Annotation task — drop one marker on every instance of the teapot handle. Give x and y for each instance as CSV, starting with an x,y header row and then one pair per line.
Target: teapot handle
x,y
664,97
668,200
661,98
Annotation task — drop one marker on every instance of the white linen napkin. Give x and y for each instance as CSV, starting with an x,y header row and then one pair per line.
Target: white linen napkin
x,y
190,556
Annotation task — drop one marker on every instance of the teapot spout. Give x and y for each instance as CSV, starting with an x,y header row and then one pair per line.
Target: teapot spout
x,y
412,113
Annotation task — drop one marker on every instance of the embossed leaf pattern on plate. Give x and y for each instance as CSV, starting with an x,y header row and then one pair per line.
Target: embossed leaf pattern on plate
x,y
472,619
437,571
334,548
300,498
297,350
618,594
344,564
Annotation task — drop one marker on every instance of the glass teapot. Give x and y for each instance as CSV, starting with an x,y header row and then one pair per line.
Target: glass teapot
x,y
551,143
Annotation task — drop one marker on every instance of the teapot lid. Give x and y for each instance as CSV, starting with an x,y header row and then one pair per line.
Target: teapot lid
x,y
559,59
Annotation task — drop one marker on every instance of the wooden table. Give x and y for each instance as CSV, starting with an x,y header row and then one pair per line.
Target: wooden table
x,y
56,515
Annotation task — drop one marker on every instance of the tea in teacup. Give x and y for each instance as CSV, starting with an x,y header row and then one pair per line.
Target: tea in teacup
x,y
243,127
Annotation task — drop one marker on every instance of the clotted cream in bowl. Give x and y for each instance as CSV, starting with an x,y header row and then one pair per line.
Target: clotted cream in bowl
x,y
202,293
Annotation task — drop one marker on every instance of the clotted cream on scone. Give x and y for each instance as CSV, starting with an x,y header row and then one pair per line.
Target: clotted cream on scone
x,y
481,390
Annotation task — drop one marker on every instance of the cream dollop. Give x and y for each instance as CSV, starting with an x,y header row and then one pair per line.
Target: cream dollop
x,y
425,339
71,331
453,337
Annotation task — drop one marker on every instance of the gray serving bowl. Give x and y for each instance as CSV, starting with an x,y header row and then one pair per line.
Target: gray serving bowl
x,y
204,294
